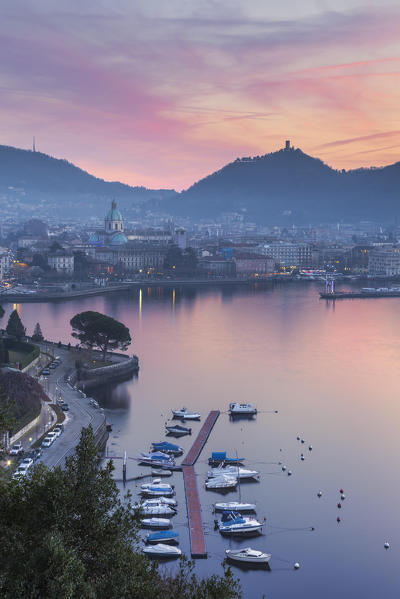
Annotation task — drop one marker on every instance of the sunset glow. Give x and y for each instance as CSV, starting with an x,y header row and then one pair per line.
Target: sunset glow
x,y
161,94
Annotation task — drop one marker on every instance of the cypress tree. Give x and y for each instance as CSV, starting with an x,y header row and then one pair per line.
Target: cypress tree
x,y
15,328
37,333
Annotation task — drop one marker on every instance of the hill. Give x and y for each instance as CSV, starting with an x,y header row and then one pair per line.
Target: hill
x,y
35,179
290,186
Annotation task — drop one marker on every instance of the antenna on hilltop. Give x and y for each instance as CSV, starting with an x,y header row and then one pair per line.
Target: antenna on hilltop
x,y
34,145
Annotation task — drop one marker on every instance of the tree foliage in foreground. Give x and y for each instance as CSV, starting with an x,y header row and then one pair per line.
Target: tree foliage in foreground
x,y
98,330
66,534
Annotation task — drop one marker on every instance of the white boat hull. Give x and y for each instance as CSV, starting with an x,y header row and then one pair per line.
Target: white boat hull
x,y
235,505
160,510
156,522
248,556
161,550
240,529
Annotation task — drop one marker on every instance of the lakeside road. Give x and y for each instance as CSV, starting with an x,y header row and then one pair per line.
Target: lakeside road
x,y
80,414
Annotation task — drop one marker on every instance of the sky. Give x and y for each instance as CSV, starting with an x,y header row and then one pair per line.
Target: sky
x,y
161,93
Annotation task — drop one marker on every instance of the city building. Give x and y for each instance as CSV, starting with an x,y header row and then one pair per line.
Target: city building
x,y
288,254
180,238
5,263
384,262
216,267
253,264
62,262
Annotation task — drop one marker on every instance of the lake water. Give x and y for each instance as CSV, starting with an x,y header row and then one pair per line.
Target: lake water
x,y
332,372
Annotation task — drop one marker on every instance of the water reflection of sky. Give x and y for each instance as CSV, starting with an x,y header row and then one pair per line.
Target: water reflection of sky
x,y
330,370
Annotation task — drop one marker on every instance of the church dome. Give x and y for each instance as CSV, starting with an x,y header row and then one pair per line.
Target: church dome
x,y
95,239
114,213
118,239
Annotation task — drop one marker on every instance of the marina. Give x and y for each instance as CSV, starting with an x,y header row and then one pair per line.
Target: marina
x,y
292,358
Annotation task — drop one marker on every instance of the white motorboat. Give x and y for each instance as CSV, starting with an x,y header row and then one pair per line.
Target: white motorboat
x,y
157,510
155,522
222,482
234,523
161,550
157,458
157,489
186,415
158,500
236,471
242,409
160,472
248,556
238,506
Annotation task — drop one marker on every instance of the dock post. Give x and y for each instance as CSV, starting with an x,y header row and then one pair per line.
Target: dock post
x,y
124,468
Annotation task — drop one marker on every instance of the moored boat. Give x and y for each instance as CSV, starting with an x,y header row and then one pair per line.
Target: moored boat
x,y
155,522
220,457
161,550
169,448
234,523
161,472
236,471
222,482
186,414
162,536
157,458
242,409
158,500
157,488
178,430
248,556
237,506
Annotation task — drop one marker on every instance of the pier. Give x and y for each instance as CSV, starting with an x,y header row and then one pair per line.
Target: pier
x,y
197,542
201,439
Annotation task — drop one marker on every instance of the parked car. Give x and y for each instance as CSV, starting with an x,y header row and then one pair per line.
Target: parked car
x,y
37,452
20,472
28,462
57,430
64,407
16,449
52,434
46,372
47,441
53,365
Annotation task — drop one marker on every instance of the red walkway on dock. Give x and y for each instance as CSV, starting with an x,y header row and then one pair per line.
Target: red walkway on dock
x,y
197,543
201,438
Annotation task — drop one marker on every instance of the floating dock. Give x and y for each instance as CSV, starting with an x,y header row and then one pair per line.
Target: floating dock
x,y
358,294
197,542
201,439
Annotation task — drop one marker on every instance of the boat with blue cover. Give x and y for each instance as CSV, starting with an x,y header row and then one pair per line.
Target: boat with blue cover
x,y
220,457
166,447
234,523
162,536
